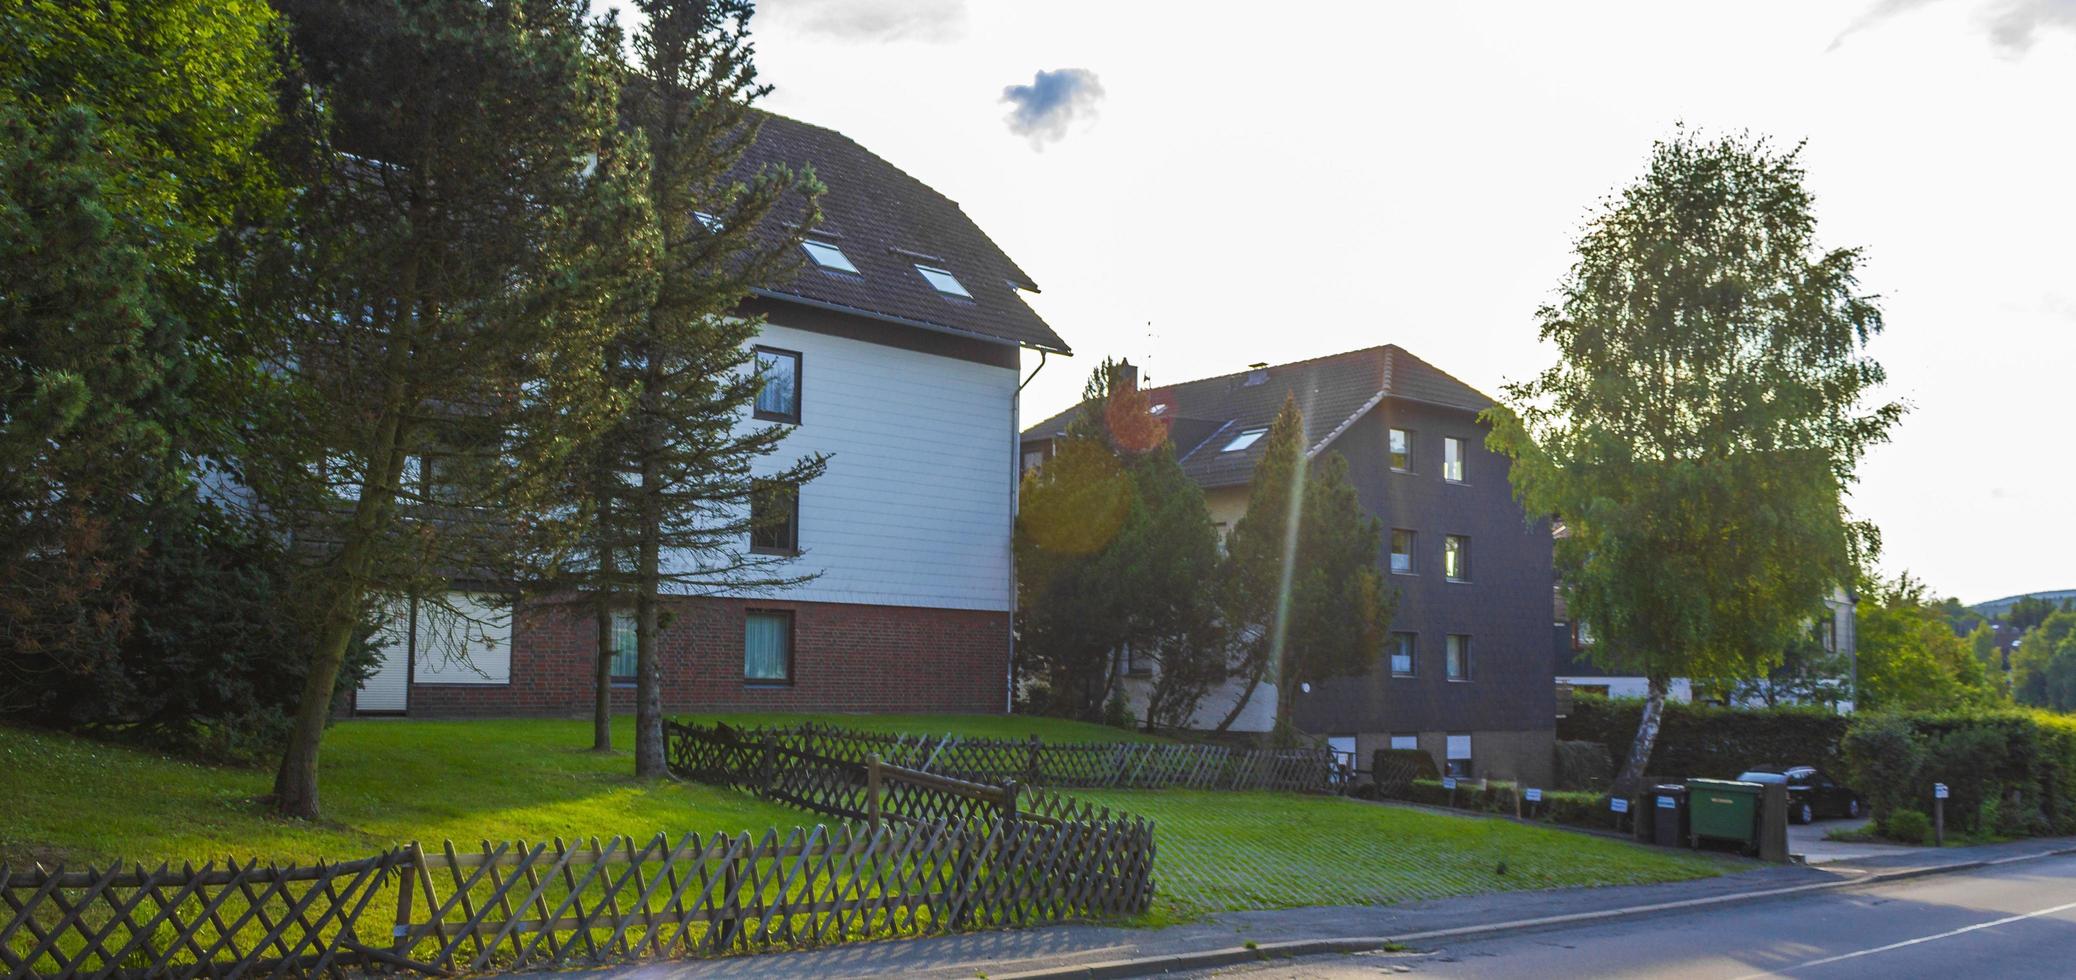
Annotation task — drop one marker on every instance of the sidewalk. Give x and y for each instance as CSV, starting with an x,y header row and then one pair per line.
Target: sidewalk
x,y
1074,948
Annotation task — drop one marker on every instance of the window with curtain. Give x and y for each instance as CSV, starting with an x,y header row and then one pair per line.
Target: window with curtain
x,y
1459,753
779,399
1401,551
1456,558
1457,654
1405,742
1402,654
767,655
625,655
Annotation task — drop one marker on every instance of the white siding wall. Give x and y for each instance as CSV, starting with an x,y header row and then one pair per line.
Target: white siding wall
x,y
917,504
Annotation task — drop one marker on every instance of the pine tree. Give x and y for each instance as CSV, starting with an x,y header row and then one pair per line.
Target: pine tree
x,y
1300,591
469,225
679,520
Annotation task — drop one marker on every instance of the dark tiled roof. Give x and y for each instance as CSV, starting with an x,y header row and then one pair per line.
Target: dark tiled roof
x,y
1332,391
886,221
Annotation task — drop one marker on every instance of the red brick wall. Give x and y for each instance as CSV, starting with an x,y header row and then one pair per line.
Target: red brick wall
x,y
845,658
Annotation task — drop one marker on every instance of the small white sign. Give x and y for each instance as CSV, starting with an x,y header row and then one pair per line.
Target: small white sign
x,y
1939,791
1448,782
1535,796
1618,804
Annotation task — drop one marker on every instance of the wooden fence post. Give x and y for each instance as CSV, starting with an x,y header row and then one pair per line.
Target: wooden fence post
x,y
872,807
400,942
1031,767
765,766
1009,793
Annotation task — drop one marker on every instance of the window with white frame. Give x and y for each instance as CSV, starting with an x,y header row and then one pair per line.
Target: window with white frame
x,y
626,655
1459,755
943,281
1453,450
828,256
1401,551
767,648
1247,437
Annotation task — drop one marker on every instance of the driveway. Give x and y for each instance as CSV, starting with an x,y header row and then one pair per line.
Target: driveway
x,y
1808,840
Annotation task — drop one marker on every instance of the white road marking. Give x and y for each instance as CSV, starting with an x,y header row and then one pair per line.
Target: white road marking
x,y
1949,934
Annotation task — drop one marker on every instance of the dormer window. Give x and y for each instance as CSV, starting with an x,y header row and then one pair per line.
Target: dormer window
x,y
828,256
942,281
1243,440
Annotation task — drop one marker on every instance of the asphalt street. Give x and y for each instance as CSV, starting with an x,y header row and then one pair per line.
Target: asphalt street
x,y
2016,920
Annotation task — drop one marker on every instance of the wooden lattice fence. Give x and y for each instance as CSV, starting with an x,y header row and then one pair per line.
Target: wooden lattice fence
x,y
1032,762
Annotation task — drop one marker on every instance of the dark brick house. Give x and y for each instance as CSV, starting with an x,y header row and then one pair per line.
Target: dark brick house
x,y
1467,675
896,350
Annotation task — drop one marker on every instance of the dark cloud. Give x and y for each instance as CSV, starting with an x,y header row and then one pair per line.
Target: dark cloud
x,y
2013,25
1043,109
871,20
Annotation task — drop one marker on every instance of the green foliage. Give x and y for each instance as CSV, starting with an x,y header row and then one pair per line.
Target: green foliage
x,y
1910,659
1908,827
1703,419
1583,764
1300,591
1711,740
1395,770
2043,667
2009,772
1115,550
1883,761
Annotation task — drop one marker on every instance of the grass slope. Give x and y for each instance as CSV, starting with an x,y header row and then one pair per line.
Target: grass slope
x,y
1228,851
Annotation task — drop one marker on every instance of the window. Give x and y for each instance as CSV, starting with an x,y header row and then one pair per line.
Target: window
x,y
767,647
1401,450
828,256
779,399
1828,632
1243,440
775,518
1457,657
1452,459
1456,558
1459,753
942,281
1401,551
1581,635
1403,742
712,223
1402,651
1137,663
625,655
1034,459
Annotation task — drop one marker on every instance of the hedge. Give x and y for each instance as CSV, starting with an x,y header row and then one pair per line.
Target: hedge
x,y
1558,806
1709,740
2008,773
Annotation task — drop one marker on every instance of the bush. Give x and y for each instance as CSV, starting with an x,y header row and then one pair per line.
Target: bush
x,y
1883,757
1394,770
1559,807
1584,765
1908,826
1709,740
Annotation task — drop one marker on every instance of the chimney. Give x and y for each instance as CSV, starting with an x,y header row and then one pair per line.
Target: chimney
x,y
1128,375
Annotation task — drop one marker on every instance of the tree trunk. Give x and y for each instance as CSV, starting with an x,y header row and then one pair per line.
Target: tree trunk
x,y
602,678
1246,695
1630,780
648,704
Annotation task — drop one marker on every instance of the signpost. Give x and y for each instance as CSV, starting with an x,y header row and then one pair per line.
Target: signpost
x,y
1449,783
1939,814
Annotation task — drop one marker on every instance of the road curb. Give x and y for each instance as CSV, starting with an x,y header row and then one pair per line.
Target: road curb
x,y
1233,956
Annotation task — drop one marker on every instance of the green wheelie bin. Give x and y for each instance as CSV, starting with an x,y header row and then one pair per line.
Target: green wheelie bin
x,y
1724,810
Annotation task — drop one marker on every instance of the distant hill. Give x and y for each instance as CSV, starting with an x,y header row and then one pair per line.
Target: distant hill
x,y
1997,607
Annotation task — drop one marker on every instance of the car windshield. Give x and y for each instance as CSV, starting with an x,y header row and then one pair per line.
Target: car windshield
x,y
1762,777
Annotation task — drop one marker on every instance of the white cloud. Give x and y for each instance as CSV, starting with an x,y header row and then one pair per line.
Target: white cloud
x,y
871,20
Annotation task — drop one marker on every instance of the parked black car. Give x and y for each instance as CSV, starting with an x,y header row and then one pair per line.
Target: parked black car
x,y
1811,794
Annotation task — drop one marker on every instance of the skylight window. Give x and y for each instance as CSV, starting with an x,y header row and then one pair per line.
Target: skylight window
x,y
1157,409
828,256
1243,440
712,223
944,282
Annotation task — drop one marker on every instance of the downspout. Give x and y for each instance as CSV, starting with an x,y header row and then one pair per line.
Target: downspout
x,y
1016,482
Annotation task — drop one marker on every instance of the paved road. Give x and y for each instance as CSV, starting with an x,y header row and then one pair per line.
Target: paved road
x,y
2018,920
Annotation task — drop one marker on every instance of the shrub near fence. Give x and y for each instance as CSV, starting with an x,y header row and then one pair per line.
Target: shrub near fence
x,y
1708,740
2010,773
1069,765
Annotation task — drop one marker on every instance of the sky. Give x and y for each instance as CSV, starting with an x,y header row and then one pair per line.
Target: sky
x,y
1199,186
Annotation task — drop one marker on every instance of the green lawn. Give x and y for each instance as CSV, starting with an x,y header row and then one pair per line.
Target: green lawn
x,y
1225,851
385,782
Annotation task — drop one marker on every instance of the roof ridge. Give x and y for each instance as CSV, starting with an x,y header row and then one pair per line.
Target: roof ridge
x,y
1286,364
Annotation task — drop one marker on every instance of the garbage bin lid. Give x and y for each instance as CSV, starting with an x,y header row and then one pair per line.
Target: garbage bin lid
x,y
1670,788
